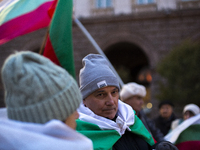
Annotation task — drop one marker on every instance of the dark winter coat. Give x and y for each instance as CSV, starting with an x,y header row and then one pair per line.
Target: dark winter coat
x,y
163,124
131,141
151,127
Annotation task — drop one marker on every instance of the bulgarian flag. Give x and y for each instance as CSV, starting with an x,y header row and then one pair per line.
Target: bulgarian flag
x,y
187,135
19,17
59,46
104,132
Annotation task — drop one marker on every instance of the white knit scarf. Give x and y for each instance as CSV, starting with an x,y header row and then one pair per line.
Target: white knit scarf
x,y
125,119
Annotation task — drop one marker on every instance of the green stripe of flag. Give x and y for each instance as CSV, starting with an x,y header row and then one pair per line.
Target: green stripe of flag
x,y
61,35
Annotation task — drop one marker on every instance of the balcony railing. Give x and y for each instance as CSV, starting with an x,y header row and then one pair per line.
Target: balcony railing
x,y
146,7
189,4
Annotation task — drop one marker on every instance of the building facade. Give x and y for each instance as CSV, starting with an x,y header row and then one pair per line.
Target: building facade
x,y
136,34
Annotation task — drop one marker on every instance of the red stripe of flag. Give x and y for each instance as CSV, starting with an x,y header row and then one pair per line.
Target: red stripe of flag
x,y
26,23
189,145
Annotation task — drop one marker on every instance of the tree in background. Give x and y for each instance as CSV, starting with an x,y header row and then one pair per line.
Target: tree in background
x,y
181,72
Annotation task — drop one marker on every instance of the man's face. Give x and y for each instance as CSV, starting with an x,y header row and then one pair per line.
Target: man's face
x,y
103,102
135,102
166,111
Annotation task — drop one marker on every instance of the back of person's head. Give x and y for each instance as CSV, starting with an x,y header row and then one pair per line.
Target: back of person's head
x,y
132,89
37,90
194,109
96,74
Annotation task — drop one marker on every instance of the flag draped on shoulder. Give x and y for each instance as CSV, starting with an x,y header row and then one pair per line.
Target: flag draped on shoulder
x,y
189,139
187,134
104,132
105,139
59,46
19,17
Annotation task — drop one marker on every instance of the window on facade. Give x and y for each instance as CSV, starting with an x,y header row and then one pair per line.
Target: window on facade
x,y
103,3
145,1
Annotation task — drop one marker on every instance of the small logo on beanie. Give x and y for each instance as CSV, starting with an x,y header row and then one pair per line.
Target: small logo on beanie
x,y
102,84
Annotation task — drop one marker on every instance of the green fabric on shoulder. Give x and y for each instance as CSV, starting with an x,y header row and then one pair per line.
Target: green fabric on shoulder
x,y
139,129
105,139
101,139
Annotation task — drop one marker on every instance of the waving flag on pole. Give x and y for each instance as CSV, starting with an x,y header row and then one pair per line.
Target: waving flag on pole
x,y
59,46
19,17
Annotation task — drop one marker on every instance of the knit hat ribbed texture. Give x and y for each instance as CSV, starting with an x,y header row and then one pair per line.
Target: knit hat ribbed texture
x,y
37,90
132,89
95,74
193,108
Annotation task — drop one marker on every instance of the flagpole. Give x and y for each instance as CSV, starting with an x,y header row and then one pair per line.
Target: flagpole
x,y
44,42
96,46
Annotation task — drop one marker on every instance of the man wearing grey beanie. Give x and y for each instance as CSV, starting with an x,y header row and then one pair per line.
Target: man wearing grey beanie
x,y
107,121
41,101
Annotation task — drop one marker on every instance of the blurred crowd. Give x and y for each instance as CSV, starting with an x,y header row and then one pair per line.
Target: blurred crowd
x,y
166,126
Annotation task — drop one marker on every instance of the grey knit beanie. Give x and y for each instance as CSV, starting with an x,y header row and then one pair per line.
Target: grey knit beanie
x,y
96,74
37,90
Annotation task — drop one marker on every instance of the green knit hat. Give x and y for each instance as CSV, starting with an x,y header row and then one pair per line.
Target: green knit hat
x,y
37,90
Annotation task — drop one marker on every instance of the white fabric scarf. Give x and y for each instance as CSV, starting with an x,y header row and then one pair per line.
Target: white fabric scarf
x,y
53,135
125,119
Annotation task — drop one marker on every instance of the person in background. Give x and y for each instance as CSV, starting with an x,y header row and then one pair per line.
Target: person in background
x,y
133,94
185,132
166,116
41,101
189,111
107,121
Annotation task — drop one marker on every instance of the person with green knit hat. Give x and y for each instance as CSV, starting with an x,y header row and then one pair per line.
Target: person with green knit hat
x,y
41,102
106,120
